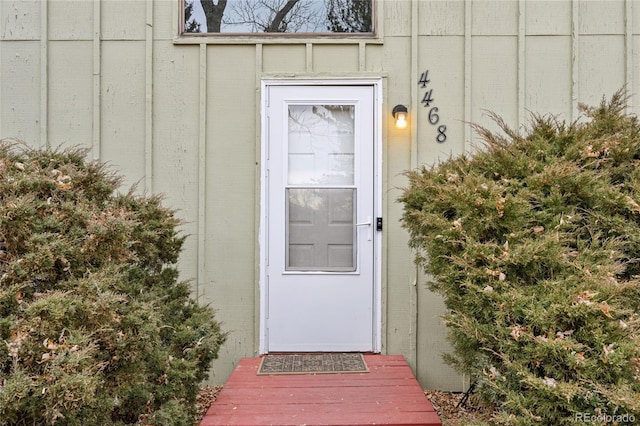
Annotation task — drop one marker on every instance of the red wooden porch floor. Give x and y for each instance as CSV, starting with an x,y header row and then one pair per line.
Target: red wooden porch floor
x,y
388,394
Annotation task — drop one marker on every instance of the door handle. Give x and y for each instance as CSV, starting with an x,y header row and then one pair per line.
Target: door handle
x,y
369,232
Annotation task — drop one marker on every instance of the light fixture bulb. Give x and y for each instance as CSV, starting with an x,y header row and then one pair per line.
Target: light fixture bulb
x,y
399,113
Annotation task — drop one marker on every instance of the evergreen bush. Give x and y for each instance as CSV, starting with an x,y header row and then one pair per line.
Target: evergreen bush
x,y
96,329
534,243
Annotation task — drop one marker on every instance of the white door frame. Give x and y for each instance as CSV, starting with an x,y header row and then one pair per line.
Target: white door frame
x,y
376,84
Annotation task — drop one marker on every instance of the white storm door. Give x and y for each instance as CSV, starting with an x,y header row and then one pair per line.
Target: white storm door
x,y
320,219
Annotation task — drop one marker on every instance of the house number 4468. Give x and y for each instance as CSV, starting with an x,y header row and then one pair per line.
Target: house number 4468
x,y
427,99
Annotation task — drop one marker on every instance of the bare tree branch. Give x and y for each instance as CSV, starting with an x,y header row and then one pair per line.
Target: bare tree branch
x,y
275,25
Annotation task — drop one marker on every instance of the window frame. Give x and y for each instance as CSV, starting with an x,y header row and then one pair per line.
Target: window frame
x,y
374,37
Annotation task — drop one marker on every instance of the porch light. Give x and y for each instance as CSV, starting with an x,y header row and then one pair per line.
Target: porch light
x,y
399,113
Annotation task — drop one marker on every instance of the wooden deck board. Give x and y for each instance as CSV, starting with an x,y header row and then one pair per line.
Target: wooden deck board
x,y
388,394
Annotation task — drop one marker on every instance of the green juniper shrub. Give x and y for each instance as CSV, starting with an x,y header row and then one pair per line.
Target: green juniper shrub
x,y
534,243
96,328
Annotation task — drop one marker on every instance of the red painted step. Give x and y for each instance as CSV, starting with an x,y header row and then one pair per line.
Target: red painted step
x,y
388,394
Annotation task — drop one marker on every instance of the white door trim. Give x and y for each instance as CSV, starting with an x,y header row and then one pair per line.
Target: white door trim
x,y
376,84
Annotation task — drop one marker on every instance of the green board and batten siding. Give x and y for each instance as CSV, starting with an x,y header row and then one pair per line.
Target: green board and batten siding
x,y
182,117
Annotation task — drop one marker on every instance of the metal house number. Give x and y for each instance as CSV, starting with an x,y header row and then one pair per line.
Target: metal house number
x,y
427,99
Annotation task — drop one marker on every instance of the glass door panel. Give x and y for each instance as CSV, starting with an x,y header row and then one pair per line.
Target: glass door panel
x,y
321,145
320,190
320,229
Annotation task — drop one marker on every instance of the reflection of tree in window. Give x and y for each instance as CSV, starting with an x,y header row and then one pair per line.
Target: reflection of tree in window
x,y
338,117
213,12
278,16
321,144
349,16
190,24
272,16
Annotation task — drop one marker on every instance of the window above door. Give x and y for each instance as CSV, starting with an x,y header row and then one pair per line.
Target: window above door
x,y
278,19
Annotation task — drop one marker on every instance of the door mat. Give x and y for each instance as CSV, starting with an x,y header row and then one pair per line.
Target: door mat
x,y
316,363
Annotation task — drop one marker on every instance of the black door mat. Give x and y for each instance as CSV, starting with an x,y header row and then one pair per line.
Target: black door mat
x,y
316,363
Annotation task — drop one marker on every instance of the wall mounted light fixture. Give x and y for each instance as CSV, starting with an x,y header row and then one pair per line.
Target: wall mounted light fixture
x,y
399,113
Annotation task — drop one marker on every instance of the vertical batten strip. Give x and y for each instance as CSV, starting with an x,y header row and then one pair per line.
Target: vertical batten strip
x,y
309,57
522,58
414,161
257,301
362,56
575,56
467,73
95,151
413,108
628,23
202,169
148,132
44,74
